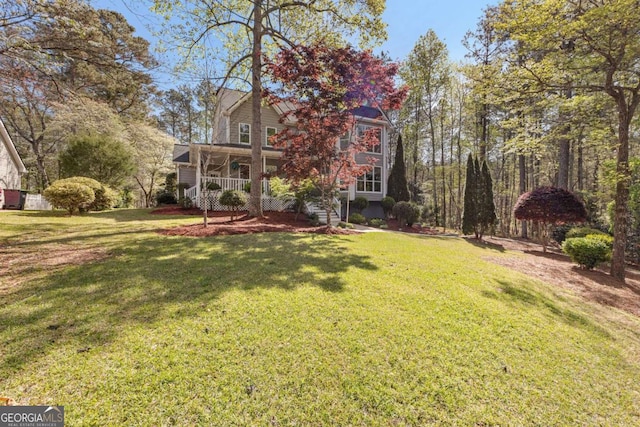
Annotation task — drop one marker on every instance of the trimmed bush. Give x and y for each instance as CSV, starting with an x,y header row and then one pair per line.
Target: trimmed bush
x,y
233,199
357,218
587,252
342,224
166,198
185,202
583,232
214,186
604,238
376,222
387,205
103,197
314,220
407,213
559,232
360,203
71,196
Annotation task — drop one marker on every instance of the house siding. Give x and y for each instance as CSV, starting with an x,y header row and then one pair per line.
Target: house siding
x,y
363,158
242,114
187,175
9,170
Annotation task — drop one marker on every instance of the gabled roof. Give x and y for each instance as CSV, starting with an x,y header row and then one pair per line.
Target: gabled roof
x,y
180,153
230,99
11,148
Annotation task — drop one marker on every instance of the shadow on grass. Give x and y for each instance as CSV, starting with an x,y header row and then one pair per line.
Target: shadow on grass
x,y
484,244
154,278
529,299
119,215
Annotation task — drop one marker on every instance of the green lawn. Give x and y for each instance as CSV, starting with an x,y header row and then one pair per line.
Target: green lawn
x,y
296,329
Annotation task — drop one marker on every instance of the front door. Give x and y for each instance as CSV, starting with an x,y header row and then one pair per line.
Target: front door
x,y
243,171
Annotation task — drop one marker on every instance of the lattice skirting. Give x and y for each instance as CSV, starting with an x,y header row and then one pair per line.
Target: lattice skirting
x,y
268,204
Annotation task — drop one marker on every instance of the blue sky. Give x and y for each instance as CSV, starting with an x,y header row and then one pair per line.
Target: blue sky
x,y
407,20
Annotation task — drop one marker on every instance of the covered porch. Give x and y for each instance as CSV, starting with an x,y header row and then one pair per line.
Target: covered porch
x,y
221,168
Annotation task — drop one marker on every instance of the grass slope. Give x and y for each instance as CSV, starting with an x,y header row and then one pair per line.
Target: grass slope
x,y
293,329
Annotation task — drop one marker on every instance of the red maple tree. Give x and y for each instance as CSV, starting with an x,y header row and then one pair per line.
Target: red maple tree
x,y
323,89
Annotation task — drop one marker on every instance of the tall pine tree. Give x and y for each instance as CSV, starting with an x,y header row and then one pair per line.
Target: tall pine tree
x,y
397,187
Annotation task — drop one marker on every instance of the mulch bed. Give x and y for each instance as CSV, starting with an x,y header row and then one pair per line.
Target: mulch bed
x,y
220,224
556,268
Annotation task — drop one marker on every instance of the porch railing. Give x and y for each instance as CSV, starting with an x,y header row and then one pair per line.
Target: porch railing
x,y
234,184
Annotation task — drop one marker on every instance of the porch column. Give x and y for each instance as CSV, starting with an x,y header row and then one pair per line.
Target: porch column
x,y
198,174
264,169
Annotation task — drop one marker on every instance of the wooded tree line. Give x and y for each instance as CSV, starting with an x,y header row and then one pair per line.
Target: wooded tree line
x,y
548,96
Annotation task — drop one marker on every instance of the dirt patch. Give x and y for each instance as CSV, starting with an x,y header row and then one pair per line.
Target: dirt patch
x,y
220,224
556,268
21,262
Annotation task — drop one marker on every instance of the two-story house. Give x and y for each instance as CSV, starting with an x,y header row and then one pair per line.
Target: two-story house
x,y
226,161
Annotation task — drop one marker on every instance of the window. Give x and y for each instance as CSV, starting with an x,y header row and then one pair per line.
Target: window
x,y
268,134
371,182
244,133
345,140
361,129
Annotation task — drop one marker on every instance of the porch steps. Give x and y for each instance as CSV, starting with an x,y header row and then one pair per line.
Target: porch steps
x,y
314,208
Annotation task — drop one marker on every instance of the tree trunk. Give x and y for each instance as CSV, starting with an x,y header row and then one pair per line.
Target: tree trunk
x,y
484,128
563,163
580,166
40,165
522,166
444,177
414,189
622,197
255,202
433,165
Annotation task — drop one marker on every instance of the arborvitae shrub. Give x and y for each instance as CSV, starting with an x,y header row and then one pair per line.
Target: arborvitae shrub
x,y
587,252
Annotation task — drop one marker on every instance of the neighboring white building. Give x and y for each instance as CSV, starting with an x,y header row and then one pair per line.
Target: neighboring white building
x,y
11,166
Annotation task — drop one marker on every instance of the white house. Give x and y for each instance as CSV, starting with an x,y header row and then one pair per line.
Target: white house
x,y
11,166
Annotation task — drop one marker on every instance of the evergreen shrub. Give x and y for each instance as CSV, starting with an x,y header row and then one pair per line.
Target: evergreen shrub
x,y
357,218
587,251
